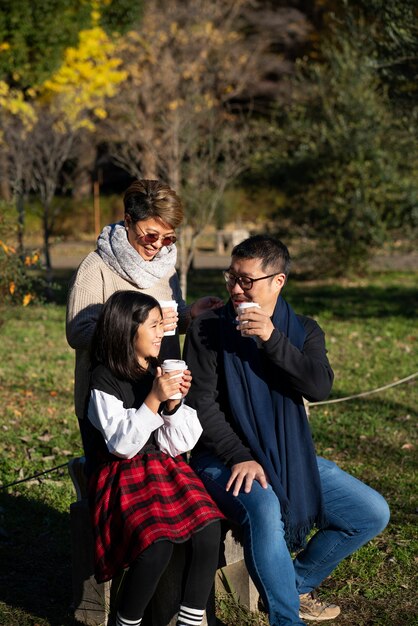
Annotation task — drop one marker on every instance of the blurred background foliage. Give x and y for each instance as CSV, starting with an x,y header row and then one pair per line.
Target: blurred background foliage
x,y
38,33
343,152
298,117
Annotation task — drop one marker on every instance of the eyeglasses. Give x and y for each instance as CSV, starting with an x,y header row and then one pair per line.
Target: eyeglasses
x,y
153,238
244,282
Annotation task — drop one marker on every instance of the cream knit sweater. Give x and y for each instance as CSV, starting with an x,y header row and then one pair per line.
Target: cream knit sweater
x,y
92,284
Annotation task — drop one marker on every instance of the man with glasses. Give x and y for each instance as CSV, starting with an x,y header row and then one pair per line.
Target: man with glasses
x,y
251,371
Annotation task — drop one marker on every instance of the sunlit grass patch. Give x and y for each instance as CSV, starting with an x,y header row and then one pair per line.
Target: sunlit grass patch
x,y
371,337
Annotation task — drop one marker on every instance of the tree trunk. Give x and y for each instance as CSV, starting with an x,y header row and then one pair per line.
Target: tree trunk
x,y
5,190
182,263
149,164
47,254
86,161
186,256
20,206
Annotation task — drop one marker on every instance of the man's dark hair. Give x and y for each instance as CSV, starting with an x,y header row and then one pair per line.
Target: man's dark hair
x,y
273,254
114,339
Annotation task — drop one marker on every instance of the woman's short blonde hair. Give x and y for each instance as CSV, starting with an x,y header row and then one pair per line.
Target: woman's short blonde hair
x,y
145,199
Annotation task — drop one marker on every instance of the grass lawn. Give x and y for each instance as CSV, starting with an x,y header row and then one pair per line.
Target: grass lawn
x,y
371,336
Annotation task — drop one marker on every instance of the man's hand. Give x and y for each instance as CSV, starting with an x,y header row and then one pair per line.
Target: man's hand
x,y
257,323
246,473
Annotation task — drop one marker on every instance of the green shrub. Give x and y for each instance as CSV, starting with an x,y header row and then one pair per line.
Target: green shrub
x,y
20,279
345,158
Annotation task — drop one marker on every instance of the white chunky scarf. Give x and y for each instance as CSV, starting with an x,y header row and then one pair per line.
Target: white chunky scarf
x,y
116,251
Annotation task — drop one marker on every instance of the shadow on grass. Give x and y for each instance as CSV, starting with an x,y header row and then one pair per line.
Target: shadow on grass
x,y
374,435
339,300
35,561
353,302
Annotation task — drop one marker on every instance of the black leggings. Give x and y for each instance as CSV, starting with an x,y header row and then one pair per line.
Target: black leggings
x,y
141,580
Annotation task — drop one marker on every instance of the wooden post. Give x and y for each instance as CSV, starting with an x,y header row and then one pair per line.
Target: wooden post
x,y
96,207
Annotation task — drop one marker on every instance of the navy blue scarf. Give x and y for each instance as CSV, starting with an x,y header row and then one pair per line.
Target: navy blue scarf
x,y
274,422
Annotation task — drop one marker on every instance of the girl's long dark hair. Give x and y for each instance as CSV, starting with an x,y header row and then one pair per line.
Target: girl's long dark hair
x,y
114,337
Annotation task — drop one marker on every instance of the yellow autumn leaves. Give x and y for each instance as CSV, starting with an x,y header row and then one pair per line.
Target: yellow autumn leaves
x,y
16,287
89,74
27,298
77,91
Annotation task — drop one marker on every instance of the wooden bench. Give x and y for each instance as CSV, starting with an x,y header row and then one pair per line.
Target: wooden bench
x,y
93,602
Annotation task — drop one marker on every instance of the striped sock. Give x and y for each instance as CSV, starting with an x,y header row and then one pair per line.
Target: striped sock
x,y
190,617
122,621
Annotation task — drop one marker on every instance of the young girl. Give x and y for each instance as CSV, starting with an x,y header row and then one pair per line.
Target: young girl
x,y
143,496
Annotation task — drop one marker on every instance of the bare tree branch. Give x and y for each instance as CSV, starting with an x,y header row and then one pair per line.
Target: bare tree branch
x,y
173,117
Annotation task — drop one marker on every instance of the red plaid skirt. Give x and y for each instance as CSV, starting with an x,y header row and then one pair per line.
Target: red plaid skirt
x,y
135,502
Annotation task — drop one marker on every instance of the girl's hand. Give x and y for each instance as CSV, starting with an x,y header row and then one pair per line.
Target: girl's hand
x,y
163,387
185,383
166,385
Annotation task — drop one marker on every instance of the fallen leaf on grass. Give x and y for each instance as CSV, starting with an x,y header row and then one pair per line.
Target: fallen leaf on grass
x,y
45,437
403,418
63,452
51,457
30,452
408,446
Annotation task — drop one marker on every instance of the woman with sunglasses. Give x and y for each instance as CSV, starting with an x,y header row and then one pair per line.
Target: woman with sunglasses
x,y
137,254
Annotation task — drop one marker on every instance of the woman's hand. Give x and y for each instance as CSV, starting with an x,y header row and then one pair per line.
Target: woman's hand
x,y
205,304
170,318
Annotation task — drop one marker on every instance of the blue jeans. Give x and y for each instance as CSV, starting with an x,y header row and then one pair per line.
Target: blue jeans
x,y
356,513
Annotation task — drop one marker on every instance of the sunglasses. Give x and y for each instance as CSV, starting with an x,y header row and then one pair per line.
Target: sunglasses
x,y
168,240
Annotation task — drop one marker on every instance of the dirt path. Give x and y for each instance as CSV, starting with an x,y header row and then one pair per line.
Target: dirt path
x,y
68,255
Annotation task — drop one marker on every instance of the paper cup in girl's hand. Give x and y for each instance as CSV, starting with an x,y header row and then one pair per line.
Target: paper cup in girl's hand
x,y
168,304
173,365
242,306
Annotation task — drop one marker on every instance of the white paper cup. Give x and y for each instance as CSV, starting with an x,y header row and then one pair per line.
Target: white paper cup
x,y
242,307
173,365
168,304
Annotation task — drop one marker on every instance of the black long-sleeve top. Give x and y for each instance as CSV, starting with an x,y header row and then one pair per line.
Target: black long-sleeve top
x,y
298,373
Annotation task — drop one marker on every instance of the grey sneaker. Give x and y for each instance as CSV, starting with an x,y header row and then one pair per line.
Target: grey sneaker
x,y
312,609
